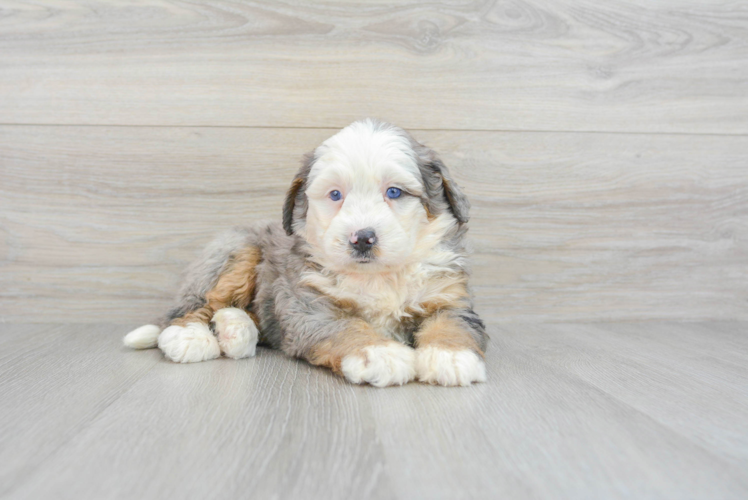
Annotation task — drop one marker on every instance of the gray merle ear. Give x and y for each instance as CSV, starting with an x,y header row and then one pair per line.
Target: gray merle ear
x,y
295,206
442,191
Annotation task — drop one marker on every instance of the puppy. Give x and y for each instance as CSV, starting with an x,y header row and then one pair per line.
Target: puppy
x,y
369,261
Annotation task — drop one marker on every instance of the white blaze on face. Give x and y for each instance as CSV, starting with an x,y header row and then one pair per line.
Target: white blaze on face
x,y
361,163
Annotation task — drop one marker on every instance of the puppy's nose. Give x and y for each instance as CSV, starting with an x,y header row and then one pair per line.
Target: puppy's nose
x,y
363,240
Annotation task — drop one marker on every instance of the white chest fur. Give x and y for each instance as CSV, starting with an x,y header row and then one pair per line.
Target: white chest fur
x,y
386,300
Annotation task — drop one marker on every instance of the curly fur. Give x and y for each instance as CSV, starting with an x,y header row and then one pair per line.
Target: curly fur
x,y
400,311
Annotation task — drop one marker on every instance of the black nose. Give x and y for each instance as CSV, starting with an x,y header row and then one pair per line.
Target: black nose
x,y
363,240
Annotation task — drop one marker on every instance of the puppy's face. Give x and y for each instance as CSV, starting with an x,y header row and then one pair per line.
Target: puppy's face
x,y
365,198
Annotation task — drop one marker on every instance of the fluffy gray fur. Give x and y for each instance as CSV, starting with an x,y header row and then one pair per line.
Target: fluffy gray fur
x,y
294,317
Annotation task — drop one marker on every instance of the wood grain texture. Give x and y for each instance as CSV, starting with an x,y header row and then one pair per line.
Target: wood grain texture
x,y
638,363
97,223
55,380
630,411
665,66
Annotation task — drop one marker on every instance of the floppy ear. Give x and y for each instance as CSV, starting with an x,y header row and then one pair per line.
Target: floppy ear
x,y
440,187
295,206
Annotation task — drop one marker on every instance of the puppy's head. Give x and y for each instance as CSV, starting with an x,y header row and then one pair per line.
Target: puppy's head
x,y
370,196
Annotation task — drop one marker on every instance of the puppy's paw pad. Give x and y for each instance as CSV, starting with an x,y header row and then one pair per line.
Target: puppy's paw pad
x,y
448,367
237,333
381,365
189,344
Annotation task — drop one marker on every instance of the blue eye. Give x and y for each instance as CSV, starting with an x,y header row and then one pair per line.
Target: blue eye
x,y
393,193
334,195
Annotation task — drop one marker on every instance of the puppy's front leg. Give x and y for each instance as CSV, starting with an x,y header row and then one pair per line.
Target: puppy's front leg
x,y
449,349
362,355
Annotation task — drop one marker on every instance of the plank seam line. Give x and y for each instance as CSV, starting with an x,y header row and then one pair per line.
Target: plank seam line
x,y
282,127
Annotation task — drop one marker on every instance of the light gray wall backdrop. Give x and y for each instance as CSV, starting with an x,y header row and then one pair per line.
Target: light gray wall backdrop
x,y
604,145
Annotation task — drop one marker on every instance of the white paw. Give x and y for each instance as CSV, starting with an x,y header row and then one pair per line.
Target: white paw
x,y
189,344
436,365
237,333
144,337
381,365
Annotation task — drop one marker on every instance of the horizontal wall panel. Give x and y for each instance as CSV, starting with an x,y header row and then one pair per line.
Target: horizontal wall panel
x,y
665,66
96,223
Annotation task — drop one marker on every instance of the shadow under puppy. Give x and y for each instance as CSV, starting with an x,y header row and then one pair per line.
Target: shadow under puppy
x,y
369,261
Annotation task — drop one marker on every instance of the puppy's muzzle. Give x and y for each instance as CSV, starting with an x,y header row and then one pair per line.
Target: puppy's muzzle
x,y
362,241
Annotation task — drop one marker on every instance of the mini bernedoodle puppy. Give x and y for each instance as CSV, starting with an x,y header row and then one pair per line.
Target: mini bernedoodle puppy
x,y
370,260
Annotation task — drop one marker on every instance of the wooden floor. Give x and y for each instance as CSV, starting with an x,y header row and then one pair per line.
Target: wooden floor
x,y
616,410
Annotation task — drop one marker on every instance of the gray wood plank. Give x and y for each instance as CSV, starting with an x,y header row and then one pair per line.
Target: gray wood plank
x,y
538,430
55,380
97,223
269,426
665,66
569,411
688,377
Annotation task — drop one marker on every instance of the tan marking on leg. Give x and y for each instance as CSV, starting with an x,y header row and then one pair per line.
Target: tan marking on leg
x,y
353,340
447,332
235,288
202,315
